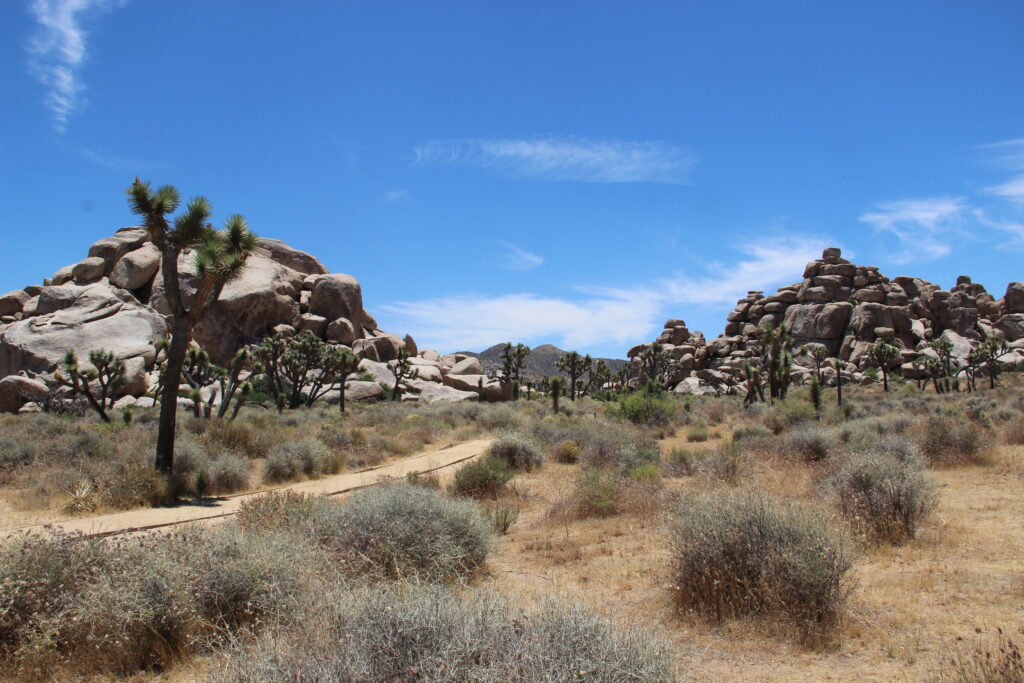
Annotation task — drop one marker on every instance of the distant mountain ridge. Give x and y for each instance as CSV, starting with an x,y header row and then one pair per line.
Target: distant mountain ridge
x,y
542,361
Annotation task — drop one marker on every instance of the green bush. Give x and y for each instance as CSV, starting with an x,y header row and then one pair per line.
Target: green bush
x,y
482,478
743,554
597,492
886,496
697,434
227,473
647,408
13,453
785,414
516,450
567,452
431,634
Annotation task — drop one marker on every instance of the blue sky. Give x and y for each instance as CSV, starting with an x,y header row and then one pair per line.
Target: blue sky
x,y
563,172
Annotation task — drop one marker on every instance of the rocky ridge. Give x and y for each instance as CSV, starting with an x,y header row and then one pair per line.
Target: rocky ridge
x,y
845,308
113,299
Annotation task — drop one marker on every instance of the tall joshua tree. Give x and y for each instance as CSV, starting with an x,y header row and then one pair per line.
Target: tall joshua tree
x,y
220,257
882,354
574,365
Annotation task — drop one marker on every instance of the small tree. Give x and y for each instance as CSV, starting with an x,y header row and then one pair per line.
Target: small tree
x,y
402,369
816,395
96,384
986,355
220,257
575,366
882,354
819,354
839,365
555,386
943,348
345,363
778,361
512,359
654,363
753,380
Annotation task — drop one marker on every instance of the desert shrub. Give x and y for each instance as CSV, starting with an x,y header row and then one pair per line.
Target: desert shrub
x,y
697,434
1013,432
501,417
87,606
887,497
227,473
784,414
953,439
13,453
901,447
137,485
751,432
638,455
810,442
243,438
305,457
647,408
281,510
743,554
501,516
428,480
681,462
430,634
518,451
567,452
597,493
405,532
482,478
726,463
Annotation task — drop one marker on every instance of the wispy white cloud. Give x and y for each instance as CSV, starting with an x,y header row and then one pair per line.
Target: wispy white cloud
x,y
596,316
924,227
115,162
395,196
517,258
57,50
565,159
1012,188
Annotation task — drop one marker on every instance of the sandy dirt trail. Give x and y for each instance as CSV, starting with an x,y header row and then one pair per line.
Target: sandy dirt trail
x,y
217,508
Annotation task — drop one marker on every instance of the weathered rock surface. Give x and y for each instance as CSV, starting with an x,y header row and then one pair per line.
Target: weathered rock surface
x,y
136,268
93,317
17,390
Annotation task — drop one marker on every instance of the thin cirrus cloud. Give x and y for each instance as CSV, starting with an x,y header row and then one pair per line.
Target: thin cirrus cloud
x,y
925,228
564,159
517,258
599,316
57,51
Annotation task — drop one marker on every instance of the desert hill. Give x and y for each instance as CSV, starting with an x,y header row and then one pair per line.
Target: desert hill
x,y
540,363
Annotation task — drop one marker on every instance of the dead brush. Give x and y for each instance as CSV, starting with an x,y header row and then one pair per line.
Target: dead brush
x,y
1002,662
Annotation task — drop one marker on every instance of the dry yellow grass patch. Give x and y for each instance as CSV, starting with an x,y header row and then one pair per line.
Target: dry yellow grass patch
x,y
964,575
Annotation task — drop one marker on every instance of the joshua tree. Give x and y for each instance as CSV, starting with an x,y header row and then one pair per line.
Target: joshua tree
x,y
220,257
574,365
401,368
818,353
943,348
881,355
986,355
344,363
230,385
598,376
839,365
106,374
654,363
775,342
512,359
816,395
555,385
754,382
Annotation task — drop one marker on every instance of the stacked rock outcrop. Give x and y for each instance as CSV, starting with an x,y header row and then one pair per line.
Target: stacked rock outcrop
x,y
846,308
114,300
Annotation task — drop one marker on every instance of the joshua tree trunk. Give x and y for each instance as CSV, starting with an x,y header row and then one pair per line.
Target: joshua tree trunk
x,y
885,379
169,398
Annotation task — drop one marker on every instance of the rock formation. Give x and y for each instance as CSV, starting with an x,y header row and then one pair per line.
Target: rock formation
x,y
113,299
845,308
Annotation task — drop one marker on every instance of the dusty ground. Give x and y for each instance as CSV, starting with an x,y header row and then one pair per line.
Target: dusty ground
x,y
963,574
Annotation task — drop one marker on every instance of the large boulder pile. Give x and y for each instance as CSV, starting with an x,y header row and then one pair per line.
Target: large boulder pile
x,y
114,299
846,308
